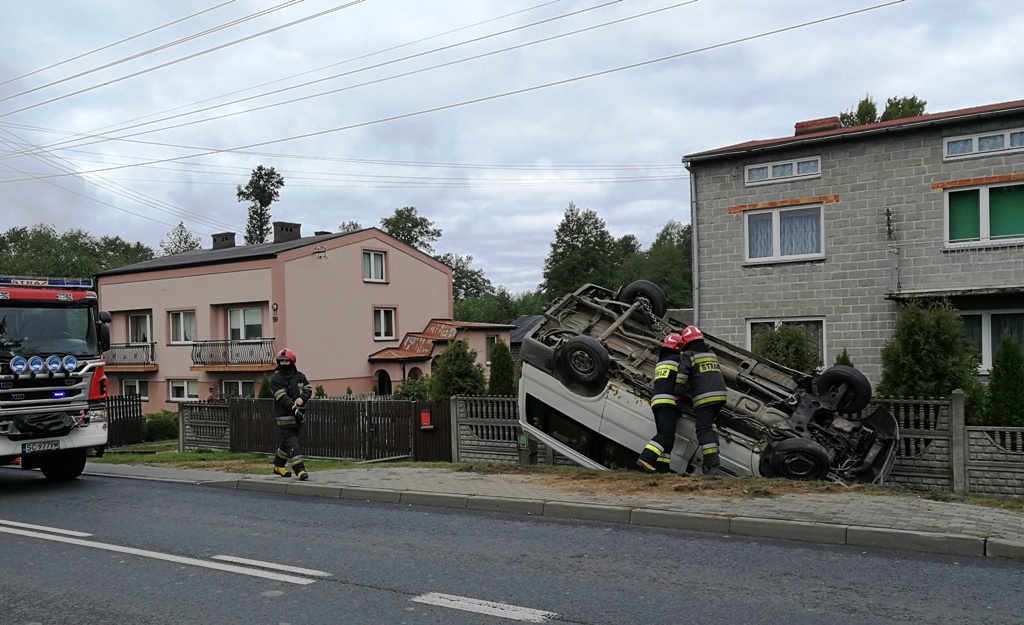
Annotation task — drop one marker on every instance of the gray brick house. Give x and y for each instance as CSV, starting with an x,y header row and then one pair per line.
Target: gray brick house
x,y
832,228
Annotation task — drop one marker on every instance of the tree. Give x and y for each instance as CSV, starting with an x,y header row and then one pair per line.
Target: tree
x,y
789,345
466,282
264,189
582,252
350,226
844,359
1006,385
40,251
414,390
265,391
456,372
866,111
502,380
500,306
669,264
179,239
409,228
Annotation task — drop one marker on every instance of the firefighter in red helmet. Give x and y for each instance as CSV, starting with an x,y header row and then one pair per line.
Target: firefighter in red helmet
x,y
686,365
291,392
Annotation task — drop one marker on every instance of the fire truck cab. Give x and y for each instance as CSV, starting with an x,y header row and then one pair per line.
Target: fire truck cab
x,y
53,387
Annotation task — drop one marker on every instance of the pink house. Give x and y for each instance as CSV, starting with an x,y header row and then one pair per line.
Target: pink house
x,y
209,321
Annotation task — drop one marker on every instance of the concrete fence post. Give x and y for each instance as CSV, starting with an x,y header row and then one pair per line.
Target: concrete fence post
x,y
455,428
958,443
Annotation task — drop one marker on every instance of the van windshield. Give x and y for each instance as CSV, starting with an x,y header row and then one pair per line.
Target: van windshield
x,y
35,330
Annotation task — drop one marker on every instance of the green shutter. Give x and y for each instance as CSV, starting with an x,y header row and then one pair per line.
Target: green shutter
x,y
1006,212
964,215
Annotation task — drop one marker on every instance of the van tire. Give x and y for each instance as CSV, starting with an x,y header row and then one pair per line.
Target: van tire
x,y
799,459
63,466
858,388
583,359
645,289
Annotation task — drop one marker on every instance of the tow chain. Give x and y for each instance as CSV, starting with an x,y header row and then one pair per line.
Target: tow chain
x,y
644,306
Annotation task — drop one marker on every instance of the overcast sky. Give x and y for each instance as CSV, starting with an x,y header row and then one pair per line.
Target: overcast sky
x,y
488,116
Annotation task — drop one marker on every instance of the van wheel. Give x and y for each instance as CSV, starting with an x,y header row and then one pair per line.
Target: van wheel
x,y
858,390
799,459
63,465
584,359
647,290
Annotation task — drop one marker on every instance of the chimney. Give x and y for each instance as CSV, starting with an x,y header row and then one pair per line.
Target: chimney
x,y
816,125
321,232
223,240
286,231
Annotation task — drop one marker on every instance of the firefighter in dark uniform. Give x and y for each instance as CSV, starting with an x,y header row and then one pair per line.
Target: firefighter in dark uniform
x,y
291,394
685,365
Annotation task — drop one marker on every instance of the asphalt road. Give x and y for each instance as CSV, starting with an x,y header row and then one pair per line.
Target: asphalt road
x,y
104,550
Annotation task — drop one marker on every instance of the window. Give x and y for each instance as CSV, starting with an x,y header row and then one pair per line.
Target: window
x,y
816,327
784,234
985,329
183,390
139,328
781,171
183,326
373,267
136,387
384,324
985,214
984,144
239,388
245,323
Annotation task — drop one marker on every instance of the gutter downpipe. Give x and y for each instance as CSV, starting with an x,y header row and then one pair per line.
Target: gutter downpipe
x,y
693,245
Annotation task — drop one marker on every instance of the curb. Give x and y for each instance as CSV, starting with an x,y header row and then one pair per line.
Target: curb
x,y
822,533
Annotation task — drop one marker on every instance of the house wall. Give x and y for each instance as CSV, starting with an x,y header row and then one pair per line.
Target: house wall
x,y
881,200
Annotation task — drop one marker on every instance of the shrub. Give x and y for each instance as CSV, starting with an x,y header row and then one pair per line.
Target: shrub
x,y
265,392
790,346
414,390
320,392
456,372
161,426
844,359
1006,385
502,380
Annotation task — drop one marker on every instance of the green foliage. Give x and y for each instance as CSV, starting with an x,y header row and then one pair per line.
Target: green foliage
x,y
348,390
456,372
39,251
668,263
866,111
265,392
161,426
500,306
843,359
502,380
583,251
319,391
901,108
930,356
350,226
263,189
179,240
466,282
790,346
1006,385
414,390
409,228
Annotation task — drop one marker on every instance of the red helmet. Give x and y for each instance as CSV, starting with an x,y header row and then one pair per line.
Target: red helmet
x,y
673,341
691,334
285,354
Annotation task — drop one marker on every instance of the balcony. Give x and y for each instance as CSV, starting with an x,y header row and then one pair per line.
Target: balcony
x,y
245,355
131,357
932,268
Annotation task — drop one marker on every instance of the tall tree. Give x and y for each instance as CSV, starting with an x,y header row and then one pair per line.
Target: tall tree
x,y
866,111
669,263
582,252
502,379
466,281
264,189
901,108
1006,384
40,251
179,239
408,227
350,226
456,372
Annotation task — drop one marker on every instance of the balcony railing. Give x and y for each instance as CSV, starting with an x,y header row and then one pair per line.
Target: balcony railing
x,y
131,355
222,353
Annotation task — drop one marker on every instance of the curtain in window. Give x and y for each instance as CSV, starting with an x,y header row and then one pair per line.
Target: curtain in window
x,y
759,235
1006,211
1010,324
972,330
964,215
800,232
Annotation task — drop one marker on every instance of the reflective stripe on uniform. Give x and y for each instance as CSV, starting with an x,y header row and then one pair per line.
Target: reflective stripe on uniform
x,y
656,448
709,398
659,400
664,458
709,449
281,393
665,369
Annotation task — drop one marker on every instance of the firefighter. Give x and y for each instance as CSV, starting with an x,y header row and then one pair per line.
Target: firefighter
x,y
685,365
291,394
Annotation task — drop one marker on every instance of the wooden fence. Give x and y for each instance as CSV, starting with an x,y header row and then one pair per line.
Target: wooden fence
x,y
125,423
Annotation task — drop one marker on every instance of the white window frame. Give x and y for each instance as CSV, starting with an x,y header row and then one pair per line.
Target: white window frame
x,y
370,267
136,387
987,350
777,256
181,315
778,321
185,387
149,328
380,315
984,238
773,177
241,312
235,386
1008,137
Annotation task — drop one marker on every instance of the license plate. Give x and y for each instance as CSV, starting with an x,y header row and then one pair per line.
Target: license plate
x,y
31,448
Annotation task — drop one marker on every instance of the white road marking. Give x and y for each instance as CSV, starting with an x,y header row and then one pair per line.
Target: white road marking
x,y
156,555
43,528
485,607
273,565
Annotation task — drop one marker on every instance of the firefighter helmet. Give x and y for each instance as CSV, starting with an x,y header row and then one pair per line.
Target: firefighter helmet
x,y
285,354
673,341
691,334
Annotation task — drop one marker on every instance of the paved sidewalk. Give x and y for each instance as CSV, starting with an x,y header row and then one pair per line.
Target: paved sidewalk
x,y
855,519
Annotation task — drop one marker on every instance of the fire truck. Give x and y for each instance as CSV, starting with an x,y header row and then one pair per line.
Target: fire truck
x,y
52,382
